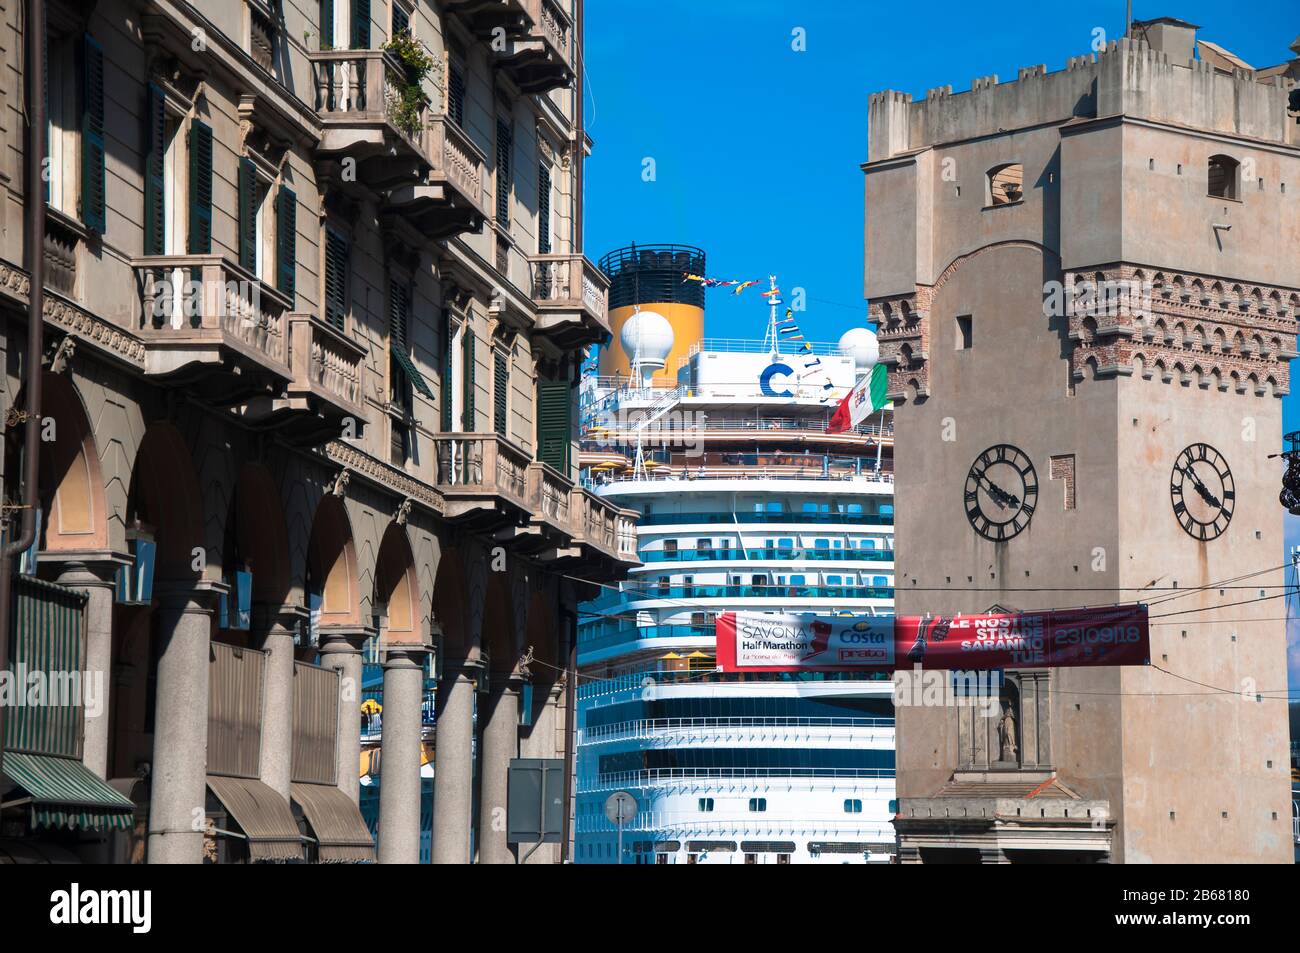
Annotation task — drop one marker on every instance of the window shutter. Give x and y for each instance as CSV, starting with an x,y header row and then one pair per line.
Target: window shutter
x,y
401,19
247,213
336,279
468,395
92,135
360,24
543,209
399,306
554,427
456,94
286,242
500,393
503,173
200,237
327,24
446,390
154,174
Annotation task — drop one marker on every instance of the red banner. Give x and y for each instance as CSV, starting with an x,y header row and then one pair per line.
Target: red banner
x,y
1065,638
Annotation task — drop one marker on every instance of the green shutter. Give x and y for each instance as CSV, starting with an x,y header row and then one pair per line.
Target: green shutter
x,y
544,209
503,173
554,424
468,421
500,393
286,242
336,279
456,94
247,214
92,135
327,24
47,625
448,373
154,173
200,233
360,24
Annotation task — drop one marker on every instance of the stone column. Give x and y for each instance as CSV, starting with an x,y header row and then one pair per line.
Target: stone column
x,y
277,624
340,649
178,793
96,578
500,745
399,780
453,769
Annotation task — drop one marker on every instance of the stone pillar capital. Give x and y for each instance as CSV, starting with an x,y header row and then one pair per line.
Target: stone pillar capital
x,y
343,639
197,596
269,616
405,656
85,569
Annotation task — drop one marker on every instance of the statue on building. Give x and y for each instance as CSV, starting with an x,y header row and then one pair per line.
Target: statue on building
x,y
1007,735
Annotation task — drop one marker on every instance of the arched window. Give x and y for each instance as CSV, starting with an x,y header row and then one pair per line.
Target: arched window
x,y
1006,184
1224,173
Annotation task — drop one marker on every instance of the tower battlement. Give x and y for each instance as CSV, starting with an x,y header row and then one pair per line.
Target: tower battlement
x,y
1131,77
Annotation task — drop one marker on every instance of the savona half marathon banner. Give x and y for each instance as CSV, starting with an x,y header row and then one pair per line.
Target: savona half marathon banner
x,y
753,642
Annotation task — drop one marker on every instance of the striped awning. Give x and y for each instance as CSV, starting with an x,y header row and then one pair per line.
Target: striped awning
x,y
65,793
337,823
263,815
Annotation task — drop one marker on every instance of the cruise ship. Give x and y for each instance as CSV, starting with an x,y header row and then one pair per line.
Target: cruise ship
x,y
748,502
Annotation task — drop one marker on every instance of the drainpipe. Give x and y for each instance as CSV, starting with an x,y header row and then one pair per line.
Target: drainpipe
x,y
579,90
34,214
570,721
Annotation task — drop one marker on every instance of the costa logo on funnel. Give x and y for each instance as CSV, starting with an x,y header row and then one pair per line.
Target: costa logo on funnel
x,y
765,380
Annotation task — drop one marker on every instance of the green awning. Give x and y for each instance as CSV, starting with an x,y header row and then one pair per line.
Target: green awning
x,y
65,793
417,379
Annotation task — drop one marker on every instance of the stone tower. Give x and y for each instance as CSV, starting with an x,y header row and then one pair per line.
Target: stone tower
x,y
1086,287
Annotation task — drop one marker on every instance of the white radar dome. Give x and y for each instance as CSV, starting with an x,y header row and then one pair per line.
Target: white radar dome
x,y
861,345
646,337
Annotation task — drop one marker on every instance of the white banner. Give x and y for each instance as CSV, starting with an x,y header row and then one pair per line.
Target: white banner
x,y
807,641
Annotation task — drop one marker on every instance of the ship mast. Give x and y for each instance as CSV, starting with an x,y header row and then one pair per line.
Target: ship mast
x,y
771,340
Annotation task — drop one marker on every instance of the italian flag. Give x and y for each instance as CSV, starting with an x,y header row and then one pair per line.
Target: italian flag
x,y
867,397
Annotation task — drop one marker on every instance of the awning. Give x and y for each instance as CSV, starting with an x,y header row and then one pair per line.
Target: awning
x,y
263,815
65,793
337,823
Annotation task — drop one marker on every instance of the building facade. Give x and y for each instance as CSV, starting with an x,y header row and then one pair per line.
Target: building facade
x,y
315,297
747,501
1087,312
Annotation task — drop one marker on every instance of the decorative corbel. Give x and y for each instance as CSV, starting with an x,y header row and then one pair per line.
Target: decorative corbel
x,y
404,511
341,483
62,356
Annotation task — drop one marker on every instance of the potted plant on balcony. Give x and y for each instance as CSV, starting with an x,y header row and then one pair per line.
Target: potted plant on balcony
x,y
406,98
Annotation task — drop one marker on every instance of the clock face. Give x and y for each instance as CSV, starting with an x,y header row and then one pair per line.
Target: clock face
x,y
1202,491
1001,492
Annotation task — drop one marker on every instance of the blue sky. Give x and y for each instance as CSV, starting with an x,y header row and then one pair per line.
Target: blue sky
x,y
756,147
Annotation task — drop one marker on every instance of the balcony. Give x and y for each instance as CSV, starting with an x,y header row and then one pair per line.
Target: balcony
x,y
572,299
605,533
432,171
450,199
483,479
326,387
209,324
549,496
541,59
484,16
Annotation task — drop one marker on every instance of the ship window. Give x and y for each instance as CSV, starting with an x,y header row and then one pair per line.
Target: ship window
x,y
867,544
706,804
670,546
821,544
880,581
757,805
852,806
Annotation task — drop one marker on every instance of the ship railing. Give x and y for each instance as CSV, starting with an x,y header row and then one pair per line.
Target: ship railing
x,y
644,726
621,779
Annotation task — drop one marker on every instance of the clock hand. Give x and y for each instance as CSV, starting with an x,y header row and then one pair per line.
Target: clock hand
x,y
1201,489
1000,496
